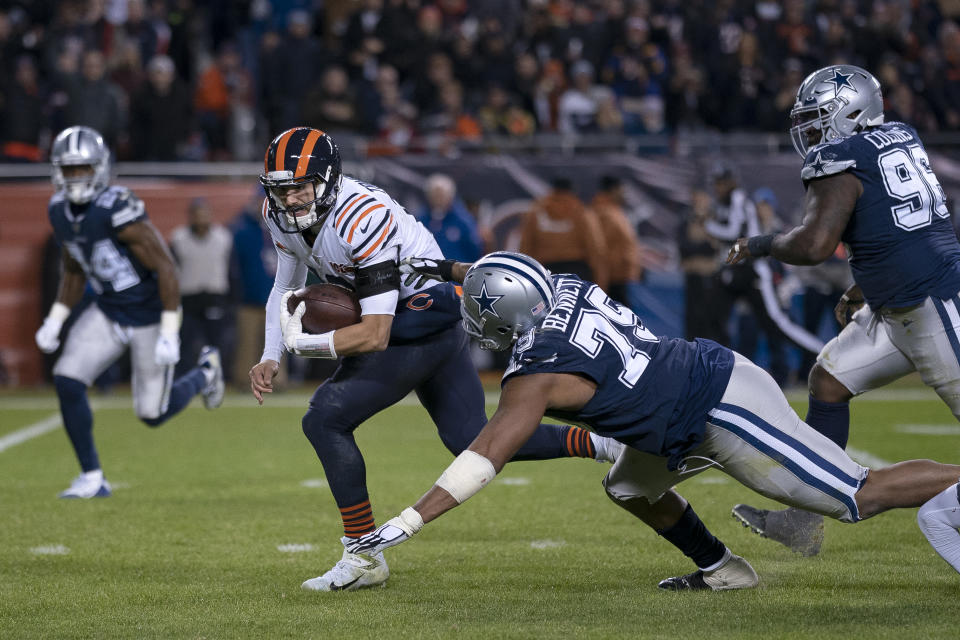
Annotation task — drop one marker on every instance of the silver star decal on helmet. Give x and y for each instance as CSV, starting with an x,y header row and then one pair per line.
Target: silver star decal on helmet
x,y
486,301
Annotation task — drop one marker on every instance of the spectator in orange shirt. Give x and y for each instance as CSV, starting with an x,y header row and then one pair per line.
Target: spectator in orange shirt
x,y
565,236
219,86
623,248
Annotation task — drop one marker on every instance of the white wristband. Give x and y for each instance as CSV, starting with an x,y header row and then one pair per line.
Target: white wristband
x,y
315,346
59,312
170,322
411,520
466,475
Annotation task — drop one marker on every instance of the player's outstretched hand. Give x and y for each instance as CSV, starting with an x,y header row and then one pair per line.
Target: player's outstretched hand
x,y
291,324
261,378
395,531
416,272
738,251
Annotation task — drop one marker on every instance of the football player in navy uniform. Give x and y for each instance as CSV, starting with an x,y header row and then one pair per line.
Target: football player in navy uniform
x,y
109,243
409,339
682,407
868,184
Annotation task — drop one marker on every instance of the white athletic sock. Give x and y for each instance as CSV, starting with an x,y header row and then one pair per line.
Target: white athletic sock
x,y
607,449
939,519
96,474
727,554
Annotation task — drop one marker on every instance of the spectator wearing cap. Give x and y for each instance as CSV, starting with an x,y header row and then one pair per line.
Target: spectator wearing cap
x,y
623,248
448,220
580,103
202,251
565,236
160,114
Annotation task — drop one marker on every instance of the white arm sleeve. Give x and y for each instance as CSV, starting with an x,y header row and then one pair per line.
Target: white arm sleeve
x,y
291,274
381,304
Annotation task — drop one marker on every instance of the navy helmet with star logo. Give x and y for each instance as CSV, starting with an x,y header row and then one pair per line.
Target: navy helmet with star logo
x,y
832,103
505,294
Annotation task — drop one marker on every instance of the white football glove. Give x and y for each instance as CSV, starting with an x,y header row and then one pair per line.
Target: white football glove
x,y
422,270
395,531
167,350
291,324
48,335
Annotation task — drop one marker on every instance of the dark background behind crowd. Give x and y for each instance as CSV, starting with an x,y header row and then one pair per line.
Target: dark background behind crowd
x,y
190,80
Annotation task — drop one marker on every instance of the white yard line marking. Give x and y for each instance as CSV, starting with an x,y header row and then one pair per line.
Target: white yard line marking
x,y
314,483
867,459
547,544
50,550
295,548
516,482
929,429
48,424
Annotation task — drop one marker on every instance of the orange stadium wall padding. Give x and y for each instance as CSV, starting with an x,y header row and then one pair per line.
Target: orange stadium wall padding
x,y
24,229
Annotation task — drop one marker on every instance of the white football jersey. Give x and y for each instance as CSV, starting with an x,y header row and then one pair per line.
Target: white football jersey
x,y
365,227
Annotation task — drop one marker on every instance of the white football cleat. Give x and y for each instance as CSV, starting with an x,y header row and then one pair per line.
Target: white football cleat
x,y
353,571
90,484
734,573
209,361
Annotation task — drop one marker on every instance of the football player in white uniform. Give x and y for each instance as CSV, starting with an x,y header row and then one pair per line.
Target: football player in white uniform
x,y
109,243
409,337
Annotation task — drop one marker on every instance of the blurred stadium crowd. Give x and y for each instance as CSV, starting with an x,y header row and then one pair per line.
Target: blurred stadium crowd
x,y
188,80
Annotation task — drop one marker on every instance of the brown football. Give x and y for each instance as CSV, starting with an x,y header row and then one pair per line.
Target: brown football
x,y
329,307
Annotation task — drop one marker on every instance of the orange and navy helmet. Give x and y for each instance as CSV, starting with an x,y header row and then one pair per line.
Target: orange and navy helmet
x,y
295,157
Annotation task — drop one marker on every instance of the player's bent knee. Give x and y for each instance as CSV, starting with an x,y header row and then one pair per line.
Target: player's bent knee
x,y
317,424
825,387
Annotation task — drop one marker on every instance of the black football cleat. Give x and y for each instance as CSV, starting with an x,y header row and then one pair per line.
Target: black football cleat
x,y
798,530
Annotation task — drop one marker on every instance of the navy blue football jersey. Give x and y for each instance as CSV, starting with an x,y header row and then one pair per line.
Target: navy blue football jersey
x,y
652,393
426,313
902,245
126,291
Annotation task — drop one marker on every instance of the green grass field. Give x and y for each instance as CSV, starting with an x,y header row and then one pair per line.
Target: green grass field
x,y
190,545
